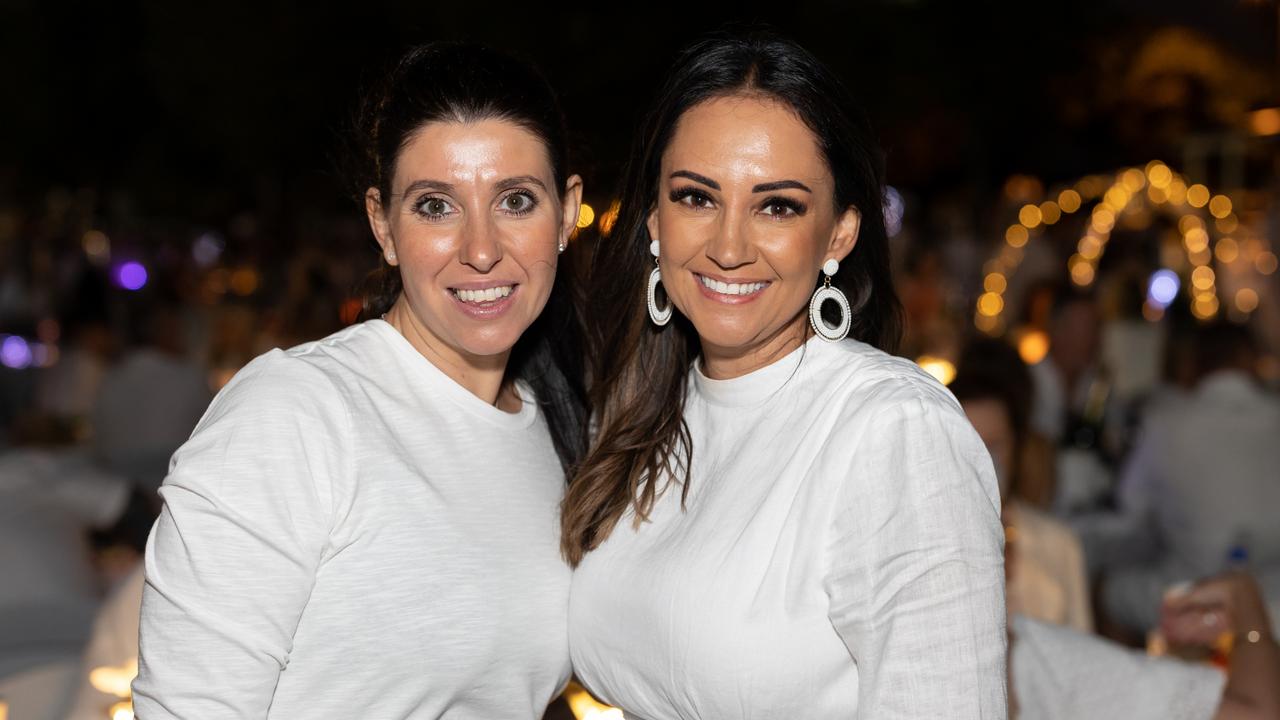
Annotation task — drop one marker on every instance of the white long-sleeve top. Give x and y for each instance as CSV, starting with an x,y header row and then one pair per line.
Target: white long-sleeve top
x,y
840,556
349,533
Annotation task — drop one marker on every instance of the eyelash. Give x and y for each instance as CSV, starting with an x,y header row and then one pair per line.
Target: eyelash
x,y
793,208
420,206
681,195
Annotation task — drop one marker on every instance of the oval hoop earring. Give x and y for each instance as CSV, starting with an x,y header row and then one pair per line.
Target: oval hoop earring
x,y
659,316
833,294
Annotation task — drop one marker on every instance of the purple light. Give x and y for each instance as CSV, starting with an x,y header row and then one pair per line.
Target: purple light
x,y
894,209
1163,288
15,353
131,276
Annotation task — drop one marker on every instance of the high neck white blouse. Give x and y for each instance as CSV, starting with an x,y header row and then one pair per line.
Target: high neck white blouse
x,y
840,555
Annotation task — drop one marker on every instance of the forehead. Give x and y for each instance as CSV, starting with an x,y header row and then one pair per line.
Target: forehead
x,y
478,151
745,137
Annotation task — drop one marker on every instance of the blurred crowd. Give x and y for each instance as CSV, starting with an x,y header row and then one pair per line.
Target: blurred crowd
x,y
1137,453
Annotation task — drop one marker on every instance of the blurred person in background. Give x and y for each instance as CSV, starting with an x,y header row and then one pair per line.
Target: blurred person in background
x,y
151,398
1059,674
1201,488
69,387
367,523
51,495
1044,564
1071,403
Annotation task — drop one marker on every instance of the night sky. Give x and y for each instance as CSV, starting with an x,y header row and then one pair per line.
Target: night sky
x,y
197,110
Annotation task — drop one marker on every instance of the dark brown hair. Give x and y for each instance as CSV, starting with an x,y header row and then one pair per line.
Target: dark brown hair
x,y
463,82
639,370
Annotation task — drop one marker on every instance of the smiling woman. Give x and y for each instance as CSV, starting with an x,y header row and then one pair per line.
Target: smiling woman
x,y
770,523
367,522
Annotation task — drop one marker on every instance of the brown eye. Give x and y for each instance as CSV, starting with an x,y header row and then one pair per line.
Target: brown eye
x,y
691,197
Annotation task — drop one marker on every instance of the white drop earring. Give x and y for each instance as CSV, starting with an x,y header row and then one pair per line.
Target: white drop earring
x,y
659,316
561,248
821,296
391,257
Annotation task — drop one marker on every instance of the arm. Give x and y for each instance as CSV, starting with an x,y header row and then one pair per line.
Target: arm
x,y
231,561
916,566
1231,605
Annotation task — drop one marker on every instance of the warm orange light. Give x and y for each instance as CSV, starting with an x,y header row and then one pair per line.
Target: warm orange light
x,y
1133,180
1202,277
990,304
1204,307
1266,263
1157,195
1227,250
941,369
585,707
1265,122
1069,201
1029,215
1159,174
1220,206
1196,240
1016,236
1177,192
1247,300
609,218
122,711
1033,346
995,282
987,323
1082,274
1104,219
1228,224
1187,222
1117,197
1090,247
112,680
1197,195
586,216
244,281
1050,213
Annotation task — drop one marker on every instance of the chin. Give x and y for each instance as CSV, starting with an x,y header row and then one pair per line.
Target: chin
x,y
727,335
489,341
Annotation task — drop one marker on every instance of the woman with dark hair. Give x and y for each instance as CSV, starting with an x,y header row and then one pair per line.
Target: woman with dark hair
x,y
366,524
772,520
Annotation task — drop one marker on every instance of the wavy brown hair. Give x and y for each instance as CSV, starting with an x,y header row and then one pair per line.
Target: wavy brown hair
x,y
639,371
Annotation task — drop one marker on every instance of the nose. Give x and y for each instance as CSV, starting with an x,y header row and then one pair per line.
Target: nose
x,y
730,247
480,248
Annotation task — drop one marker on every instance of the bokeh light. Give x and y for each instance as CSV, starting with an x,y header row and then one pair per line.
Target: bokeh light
x,y
15,352
586,216
131,275
1162,288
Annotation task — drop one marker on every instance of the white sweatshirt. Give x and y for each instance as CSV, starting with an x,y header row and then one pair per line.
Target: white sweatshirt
x,y
840,556
349,533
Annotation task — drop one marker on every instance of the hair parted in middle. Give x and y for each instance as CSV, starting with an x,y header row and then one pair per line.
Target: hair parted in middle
x,y
640,371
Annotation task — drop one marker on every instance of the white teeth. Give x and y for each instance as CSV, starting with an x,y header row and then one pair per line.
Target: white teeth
x,y
485,295
732,288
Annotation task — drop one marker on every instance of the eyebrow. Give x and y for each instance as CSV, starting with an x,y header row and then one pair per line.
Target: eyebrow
x,y
762,187
696,178
781,185
444,187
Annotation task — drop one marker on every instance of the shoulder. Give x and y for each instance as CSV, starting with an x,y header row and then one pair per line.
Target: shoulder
x,y
867,382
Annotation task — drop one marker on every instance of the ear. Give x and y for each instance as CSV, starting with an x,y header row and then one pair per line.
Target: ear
x,y
378,223
572,202
845,234
651,223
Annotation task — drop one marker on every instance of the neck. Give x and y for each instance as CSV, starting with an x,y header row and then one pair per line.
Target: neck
x,y
482,375
725,363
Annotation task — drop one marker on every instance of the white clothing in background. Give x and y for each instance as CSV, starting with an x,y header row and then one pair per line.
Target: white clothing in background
x,y
1062,674
147,406
350,533
114,644
840,556
1203,477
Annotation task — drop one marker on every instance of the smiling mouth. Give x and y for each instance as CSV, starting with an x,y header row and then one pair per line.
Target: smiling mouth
x,y
733,289
484,295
